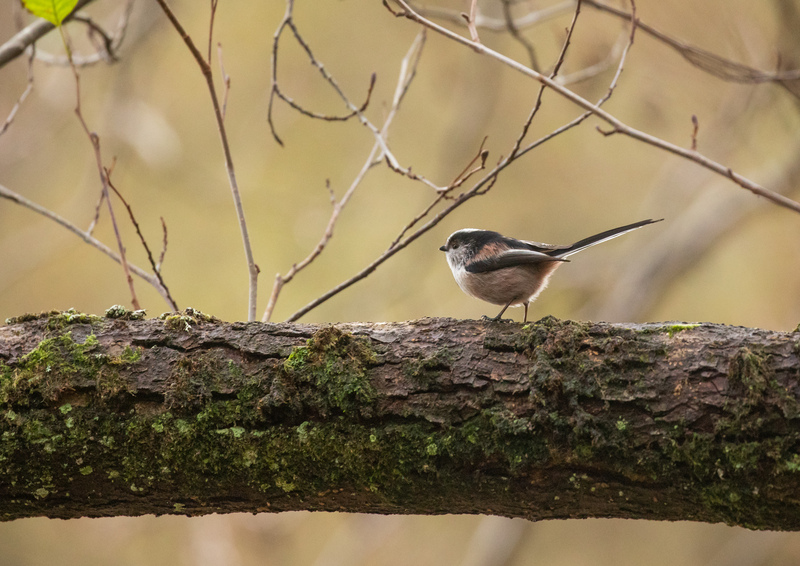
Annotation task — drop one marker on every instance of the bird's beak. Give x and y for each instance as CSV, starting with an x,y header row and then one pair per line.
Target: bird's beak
x,y
442,249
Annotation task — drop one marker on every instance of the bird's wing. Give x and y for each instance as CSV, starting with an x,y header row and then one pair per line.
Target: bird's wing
x,y
509,258
550,249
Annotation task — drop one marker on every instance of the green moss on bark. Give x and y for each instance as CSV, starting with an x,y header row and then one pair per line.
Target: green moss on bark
x,y
336,364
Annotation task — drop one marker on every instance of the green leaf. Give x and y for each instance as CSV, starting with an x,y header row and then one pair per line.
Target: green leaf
x,y
54,11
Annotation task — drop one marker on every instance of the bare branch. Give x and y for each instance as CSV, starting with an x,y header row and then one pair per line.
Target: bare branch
x,y
617,126
720,67
23,96
234,186
83,235
211,19
716,65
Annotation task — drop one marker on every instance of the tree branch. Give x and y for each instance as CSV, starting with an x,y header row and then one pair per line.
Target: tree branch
x,y
555,419
17,45
617,126
87,237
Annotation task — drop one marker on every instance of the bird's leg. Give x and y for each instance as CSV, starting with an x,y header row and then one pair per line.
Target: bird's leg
x,y
524,320
508,304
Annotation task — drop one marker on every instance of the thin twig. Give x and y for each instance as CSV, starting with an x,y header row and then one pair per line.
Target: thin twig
x,y
211,19
617,125
163,249
517,34
156,266
560,61
23,96
226,80
234,186
471,167
489,23
695,128
470,19
275,90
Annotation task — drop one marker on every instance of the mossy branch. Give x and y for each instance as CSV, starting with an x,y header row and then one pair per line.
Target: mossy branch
x,y
555,419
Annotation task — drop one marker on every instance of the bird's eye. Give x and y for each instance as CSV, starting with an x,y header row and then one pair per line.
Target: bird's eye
x,y
454,246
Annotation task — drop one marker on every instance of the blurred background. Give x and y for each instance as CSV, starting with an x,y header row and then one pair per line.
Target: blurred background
x,y
722,254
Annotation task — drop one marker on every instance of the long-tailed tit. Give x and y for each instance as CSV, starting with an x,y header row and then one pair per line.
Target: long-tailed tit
x,y
509,272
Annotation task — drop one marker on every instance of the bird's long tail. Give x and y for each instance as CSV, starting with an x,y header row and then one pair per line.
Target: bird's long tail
x,y
602,237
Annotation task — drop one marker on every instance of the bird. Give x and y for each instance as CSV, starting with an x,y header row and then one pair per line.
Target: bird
x,y
510,272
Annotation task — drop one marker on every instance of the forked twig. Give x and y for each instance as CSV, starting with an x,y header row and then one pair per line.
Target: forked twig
x,y
470,19
617,126
156,266
407,73
86,237
205,68
275,90
560,61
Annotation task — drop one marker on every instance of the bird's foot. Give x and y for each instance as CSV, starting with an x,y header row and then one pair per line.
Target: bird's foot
x,y
496,319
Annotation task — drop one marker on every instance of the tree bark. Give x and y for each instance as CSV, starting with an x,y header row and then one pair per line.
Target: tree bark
x,y
554,419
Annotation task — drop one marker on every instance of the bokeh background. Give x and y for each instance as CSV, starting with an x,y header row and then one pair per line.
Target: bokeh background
x,y
722,254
